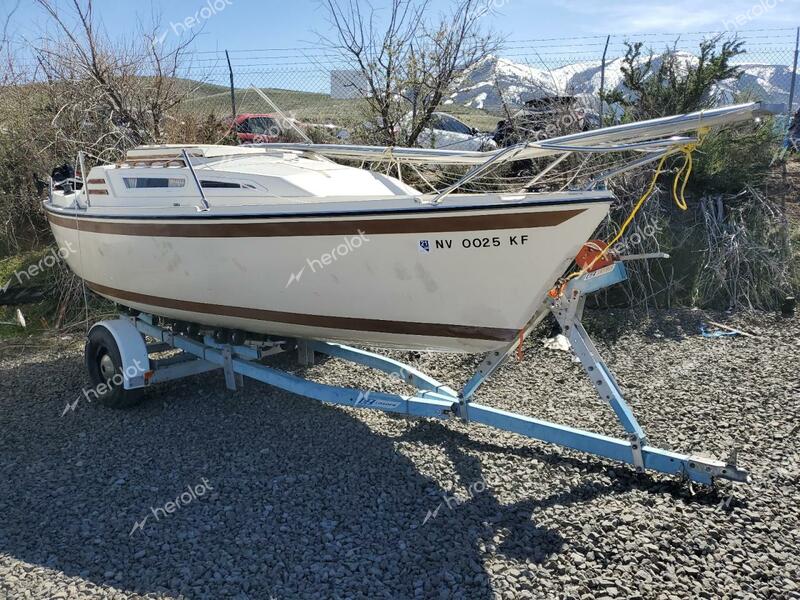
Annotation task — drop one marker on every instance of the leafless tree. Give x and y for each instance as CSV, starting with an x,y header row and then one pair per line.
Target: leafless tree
x,y
406,62
8,69
82,91
121,90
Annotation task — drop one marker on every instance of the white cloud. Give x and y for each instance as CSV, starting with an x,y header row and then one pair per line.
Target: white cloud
x,y
667,16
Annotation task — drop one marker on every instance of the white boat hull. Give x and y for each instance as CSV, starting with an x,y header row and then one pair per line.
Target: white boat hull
x,y
460,279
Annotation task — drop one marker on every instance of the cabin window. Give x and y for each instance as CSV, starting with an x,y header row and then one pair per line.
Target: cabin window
x,y
210,183
135,183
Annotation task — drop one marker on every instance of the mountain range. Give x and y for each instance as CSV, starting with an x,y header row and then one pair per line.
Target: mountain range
x,y
494,80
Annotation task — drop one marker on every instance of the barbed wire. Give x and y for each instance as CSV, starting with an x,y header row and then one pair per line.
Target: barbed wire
x,y
511,48
302,77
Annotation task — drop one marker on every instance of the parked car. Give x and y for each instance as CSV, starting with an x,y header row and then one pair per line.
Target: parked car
x,y
271,127
445,131
257,128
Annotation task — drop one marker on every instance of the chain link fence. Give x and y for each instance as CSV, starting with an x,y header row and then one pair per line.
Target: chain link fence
x,y
315,85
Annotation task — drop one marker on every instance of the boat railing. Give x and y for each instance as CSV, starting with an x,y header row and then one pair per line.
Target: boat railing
x,y
82,166
654,138
188,162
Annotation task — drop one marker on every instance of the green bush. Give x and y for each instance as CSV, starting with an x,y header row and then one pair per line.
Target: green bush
x,y
731,248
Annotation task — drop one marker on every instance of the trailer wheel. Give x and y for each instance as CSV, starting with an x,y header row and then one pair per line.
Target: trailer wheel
x,y
106,371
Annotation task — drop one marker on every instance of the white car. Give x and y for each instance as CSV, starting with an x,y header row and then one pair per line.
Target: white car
x,y
445,131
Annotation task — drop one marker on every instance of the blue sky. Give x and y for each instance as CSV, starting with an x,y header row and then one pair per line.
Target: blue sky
x,y
256,24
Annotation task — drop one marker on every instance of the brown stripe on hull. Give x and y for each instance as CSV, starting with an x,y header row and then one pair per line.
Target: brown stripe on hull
x,y
309,226
328,322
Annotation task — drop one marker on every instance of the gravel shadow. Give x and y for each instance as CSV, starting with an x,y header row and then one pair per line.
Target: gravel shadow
x,y
298,499
305,500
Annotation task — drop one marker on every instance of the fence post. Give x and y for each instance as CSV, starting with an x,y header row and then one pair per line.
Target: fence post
x,y
794,70
603,79
233,94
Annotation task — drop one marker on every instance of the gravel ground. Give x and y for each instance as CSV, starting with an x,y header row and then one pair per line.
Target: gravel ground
x,y
294,499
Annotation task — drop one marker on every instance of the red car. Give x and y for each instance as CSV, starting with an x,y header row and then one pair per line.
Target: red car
x,y
258,128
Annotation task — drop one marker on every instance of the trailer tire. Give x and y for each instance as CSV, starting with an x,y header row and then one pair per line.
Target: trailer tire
x,y
104,364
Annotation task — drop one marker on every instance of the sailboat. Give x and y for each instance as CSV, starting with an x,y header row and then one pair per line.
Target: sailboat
x,y
282,240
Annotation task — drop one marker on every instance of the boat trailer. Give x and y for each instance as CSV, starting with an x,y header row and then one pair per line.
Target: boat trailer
x,y
432,398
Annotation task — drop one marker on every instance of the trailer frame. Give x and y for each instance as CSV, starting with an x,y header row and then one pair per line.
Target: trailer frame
x,y
431,399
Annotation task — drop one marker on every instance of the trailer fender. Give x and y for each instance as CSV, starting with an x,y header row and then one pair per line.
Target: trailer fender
x,y
132,351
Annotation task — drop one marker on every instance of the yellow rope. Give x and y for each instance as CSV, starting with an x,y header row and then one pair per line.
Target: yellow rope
x,y
681,177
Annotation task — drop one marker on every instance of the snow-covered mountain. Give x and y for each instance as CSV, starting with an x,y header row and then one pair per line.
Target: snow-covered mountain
x,y
497,79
